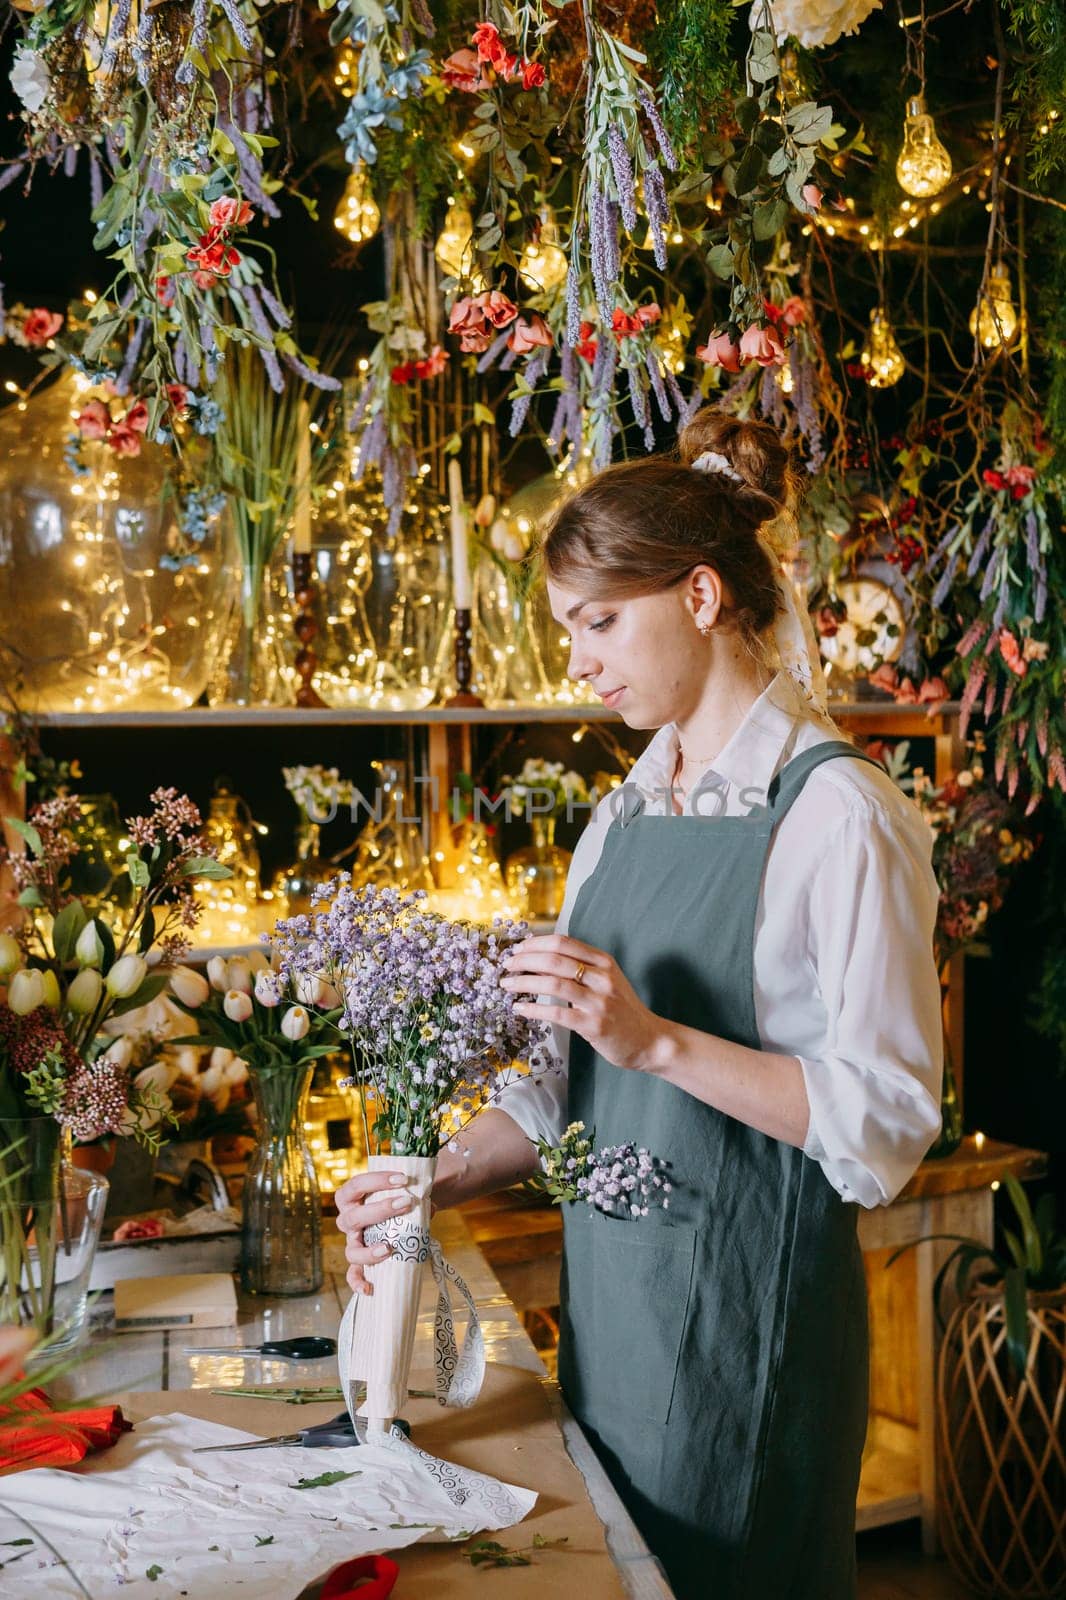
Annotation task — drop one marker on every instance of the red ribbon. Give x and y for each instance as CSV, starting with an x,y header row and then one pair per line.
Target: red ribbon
x,y
33,1434
367,1578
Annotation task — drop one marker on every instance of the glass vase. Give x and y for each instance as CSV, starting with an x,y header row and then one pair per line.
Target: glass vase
x,y
291,888
91,616
51,1214
281,1243
950,1135
392,852
506,645
250,667
536,875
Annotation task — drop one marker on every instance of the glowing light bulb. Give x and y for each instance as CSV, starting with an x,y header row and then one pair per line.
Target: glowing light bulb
x,y
993,320
543,264
357,216
454,248
346,74
881,356
924,166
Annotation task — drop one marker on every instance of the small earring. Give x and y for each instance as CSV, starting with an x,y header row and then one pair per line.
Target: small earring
x,y
706,628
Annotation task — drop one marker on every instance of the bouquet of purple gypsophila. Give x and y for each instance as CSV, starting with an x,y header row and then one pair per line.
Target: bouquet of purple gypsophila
x,y
430,1028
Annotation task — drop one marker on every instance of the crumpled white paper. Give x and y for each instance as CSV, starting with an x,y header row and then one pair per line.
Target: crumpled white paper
x,y
150,1502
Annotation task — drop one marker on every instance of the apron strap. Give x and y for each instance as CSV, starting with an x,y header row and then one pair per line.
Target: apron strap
x,y
786,785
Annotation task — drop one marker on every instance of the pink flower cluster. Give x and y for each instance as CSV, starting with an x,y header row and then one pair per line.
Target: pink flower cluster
x,y
761,344
33,329
213,257
430,367
931,692
1018,481
119,425
473,70
95,1100
173,818
477,318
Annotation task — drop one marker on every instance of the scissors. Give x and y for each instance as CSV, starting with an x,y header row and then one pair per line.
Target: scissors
x,y
339,1430
308,1348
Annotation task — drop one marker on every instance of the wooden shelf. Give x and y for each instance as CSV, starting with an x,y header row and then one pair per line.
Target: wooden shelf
x,y
890,1482
861,715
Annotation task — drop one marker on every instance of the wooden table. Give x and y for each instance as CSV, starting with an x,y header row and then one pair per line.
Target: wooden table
x,y
520,1430
523,1242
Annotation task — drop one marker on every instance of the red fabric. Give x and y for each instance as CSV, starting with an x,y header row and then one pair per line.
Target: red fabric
x,y
50,1438
367,1578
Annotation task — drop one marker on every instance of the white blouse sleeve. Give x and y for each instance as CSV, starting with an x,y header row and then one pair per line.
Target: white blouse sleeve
x,y
874,1091
537,1100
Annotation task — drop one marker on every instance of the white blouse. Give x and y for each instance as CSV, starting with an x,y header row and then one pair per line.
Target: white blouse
x,y
844,974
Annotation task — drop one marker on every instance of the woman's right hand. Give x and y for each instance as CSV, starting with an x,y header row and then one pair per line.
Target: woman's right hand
x,y
355,1212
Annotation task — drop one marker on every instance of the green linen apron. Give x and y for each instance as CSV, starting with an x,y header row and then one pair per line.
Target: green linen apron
x,y
715,1352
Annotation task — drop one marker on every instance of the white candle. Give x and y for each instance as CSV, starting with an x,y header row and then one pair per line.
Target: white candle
x,y
460,554
301,512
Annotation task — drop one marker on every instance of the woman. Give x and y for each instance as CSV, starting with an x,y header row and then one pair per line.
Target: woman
x,y
745,952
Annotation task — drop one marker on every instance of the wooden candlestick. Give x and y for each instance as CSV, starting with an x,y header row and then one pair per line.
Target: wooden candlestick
x,y
463,665
305,628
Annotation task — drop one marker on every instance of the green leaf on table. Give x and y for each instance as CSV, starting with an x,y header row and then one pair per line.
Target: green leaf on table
x,y
264,1538
211,1547
323,1480
153,1572
13,1542
489,1553
541,1543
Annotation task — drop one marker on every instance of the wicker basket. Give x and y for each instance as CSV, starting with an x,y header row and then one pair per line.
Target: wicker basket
x,y
1002,1450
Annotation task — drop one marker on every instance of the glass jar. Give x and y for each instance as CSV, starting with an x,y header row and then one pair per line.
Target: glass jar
x,y
51,1214
536,875
281,1240
291,888
229,906
506,645
250,668
391,852
90,618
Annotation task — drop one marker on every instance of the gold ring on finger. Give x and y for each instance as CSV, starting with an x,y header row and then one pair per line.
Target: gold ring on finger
x,y
580,973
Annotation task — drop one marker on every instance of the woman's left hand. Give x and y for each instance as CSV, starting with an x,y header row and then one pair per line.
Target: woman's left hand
x,y
603,1007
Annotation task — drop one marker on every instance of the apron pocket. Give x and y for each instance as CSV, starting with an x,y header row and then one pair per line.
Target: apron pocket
x,y
629,1286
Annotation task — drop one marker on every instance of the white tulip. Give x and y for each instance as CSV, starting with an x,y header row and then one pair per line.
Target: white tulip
x,y
211,1081
25,992
309,991
220,1058
89,949
10,954
237,1005
186,1058
295,1024
84,992
51,989
120,1054
159,1075
235,1072
240,974
191,988
268,989
258,961
126,976
217,974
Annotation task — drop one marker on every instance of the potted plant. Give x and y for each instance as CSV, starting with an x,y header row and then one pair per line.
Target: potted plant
x,y
1001,1408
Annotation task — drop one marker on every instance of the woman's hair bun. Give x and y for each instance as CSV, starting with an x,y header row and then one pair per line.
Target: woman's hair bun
x,y
753,449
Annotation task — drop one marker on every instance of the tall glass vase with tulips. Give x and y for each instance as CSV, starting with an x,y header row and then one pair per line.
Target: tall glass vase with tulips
x,y
66,974
241,1006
